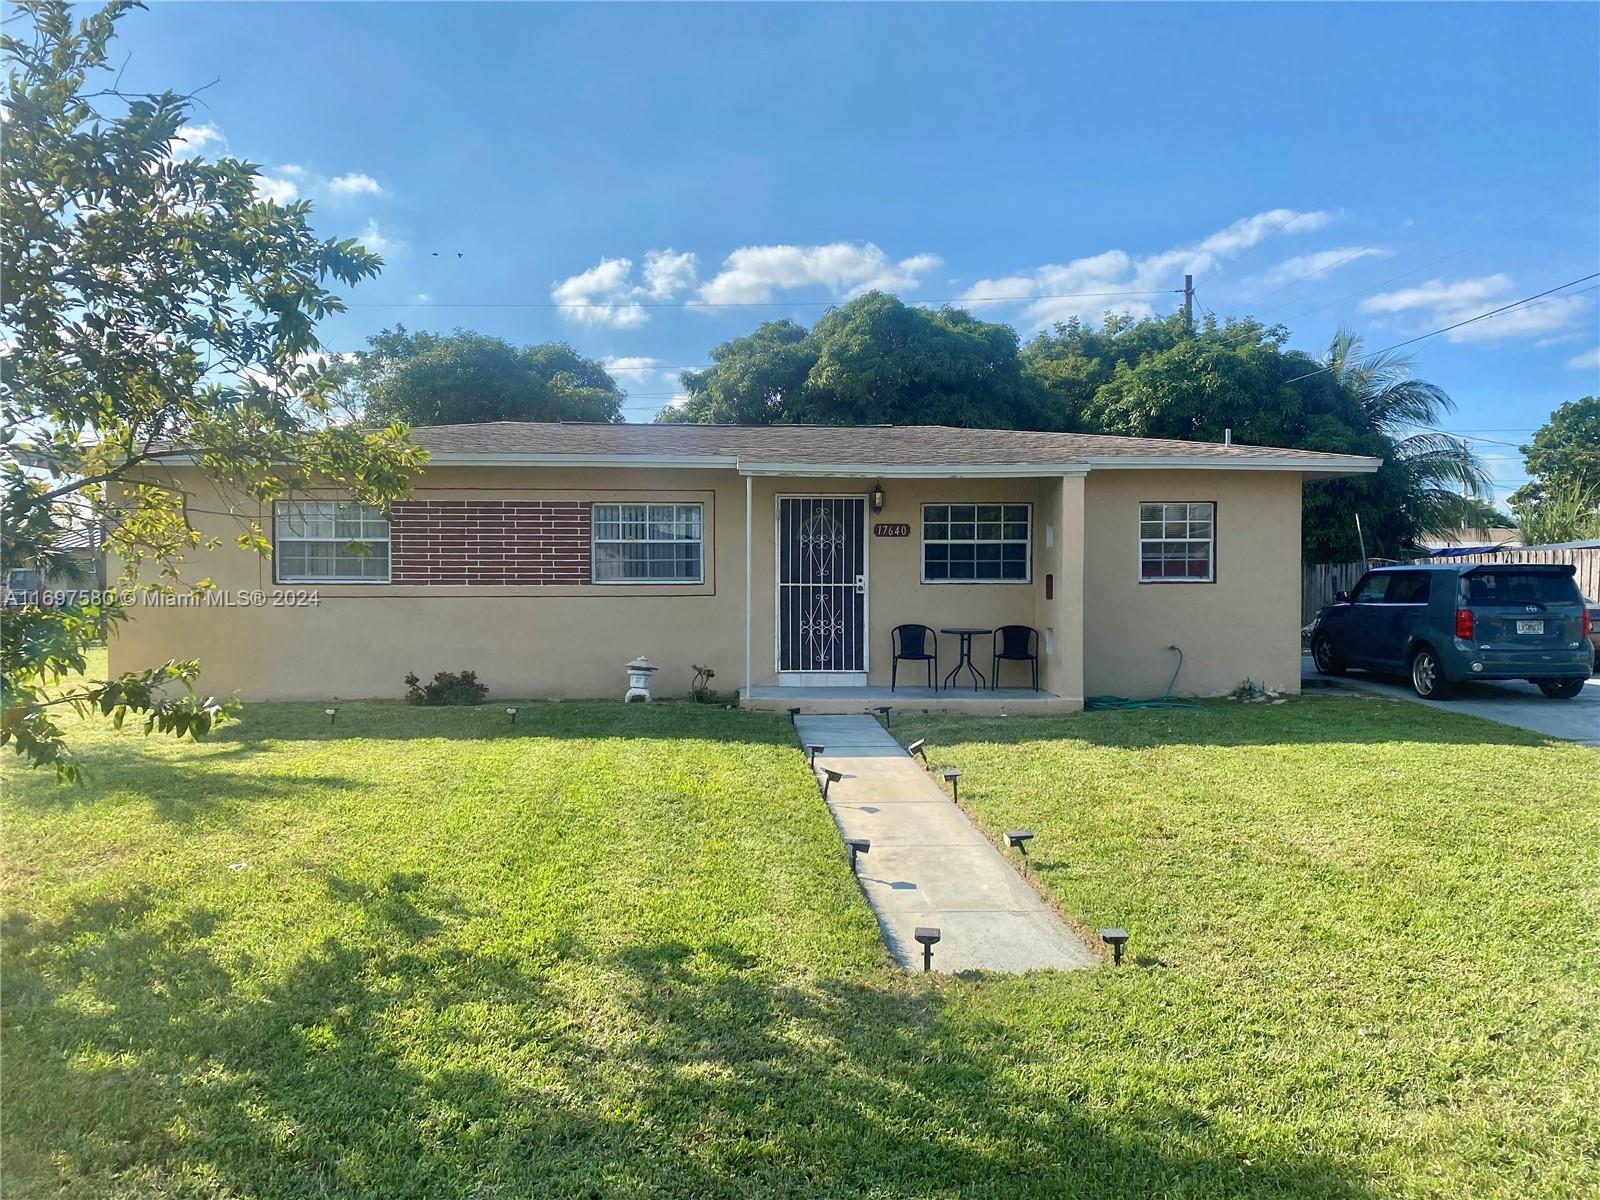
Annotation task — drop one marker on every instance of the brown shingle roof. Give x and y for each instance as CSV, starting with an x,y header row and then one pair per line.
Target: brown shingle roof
x,y
902,446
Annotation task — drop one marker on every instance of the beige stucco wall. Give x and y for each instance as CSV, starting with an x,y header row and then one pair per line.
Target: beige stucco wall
x,y
895,592
1245,625
1107,631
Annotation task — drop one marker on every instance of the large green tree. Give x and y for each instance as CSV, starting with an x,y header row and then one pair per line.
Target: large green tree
x,y
153,305
874,360
465,377
1156,378
1564,453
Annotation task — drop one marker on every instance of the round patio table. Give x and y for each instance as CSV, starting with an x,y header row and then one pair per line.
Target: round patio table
x,y
965,659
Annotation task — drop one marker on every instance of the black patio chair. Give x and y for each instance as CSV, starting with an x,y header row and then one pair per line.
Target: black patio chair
x,y
915,643
1015,643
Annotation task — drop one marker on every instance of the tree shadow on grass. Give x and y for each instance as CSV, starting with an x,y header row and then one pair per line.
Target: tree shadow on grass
x,y
405,1057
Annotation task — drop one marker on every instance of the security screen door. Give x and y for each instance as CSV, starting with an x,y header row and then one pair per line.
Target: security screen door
x,y
822,586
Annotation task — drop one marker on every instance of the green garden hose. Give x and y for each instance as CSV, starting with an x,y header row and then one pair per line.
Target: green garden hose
x,y
1165,700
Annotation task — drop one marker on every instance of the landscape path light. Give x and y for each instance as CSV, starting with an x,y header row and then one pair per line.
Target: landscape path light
x,y
512,713
333,714
812,750
953,778
793,713
1018,839
829,776
920,749
883,711
927,935
856,846
1116,939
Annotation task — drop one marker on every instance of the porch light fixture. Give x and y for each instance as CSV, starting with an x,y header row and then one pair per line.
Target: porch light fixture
x,y
333,714
1018,839
829,775
927,935
812,750
953,778
856,846
919,748
877,497
1116,939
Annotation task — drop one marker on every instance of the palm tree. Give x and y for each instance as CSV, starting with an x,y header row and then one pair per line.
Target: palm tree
x,y
1407,410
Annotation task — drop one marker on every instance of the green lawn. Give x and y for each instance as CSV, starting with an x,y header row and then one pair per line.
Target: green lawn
x,y
618,952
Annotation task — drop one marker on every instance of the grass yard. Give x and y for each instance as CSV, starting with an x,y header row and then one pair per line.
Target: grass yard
x,y
613,952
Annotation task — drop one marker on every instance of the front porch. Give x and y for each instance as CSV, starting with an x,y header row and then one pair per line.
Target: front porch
x,y
1005,701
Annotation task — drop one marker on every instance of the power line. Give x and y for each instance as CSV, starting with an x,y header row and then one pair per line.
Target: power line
x,y
1484,316
737,303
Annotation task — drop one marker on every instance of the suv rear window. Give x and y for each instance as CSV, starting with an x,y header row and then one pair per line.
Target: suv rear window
x,y
1519,587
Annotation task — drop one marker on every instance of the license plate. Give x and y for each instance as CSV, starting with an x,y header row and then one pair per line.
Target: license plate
x,y
1530,626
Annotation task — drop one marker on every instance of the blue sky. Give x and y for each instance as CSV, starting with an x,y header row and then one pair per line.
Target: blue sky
x,y
1387,168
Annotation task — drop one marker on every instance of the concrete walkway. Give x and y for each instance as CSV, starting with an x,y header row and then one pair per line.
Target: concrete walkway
x,y
928,865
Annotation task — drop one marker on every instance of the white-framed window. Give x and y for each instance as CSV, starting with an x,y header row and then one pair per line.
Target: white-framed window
x,y
1178,542
649,543
329,541
977,543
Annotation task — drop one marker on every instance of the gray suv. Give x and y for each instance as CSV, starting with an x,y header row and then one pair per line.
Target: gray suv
x,y
1444,625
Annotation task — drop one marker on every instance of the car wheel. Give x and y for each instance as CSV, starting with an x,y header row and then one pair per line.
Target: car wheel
x,y
1427,676
1323,655
1560,689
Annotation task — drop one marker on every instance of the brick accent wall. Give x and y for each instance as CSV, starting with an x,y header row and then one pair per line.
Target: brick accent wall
x,y
490,542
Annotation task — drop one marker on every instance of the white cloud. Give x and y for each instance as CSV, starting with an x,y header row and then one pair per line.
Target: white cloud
x,y
192,141
277,188
373,239
631,369
422,298
598,296
1440,303
1586,361
1304,266
1087,287
354,184
606,293
1438,295
754,274
666,273
292,169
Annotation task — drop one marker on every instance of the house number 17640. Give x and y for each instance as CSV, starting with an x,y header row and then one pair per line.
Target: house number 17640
x,y
891,529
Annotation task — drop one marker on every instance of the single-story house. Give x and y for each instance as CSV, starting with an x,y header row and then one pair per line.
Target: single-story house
x,y
546,556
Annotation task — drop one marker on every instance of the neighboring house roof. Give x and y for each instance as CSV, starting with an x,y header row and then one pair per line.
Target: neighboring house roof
x,y
1500,535
858,449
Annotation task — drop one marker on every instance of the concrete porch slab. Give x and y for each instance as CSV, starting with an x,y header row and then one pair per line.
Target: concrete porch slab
x,y
841,700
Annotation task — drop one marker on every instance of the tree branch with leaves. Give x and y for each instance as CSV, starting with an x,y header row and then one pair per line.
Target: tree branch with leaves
x,y
155,308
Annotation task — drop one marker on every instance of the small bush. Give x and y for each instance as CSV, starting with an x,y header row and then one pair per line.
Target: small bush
x,y
447,687
700,687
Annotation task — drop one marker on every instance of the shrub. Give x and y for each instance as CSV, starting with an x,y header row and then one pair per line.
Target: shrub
x,y
447,687
700,688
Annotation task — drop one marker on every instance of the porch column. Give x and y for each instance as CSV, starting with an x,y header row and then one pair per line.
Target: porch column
x,y
1066,671
749,568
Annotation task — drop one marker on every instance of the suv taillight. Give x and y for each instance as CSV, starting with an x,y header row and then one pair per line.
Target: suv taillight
x,y
1464,624
1588,621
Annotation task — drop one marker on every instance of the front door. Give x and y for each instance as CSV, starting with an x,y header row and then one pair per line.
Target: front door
x,y
822,587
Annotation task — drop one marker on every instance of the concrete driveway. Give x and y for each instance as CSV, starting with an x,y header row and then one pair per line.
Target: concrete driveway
x,y
1511,703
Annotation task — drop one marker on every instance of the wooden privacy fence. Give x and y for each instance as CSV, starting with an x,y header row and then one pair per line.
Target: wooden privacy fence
x,y
1319,581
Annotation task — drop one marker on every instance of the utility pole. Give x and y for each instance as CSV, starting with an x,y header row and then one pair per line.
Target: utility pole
x,y
1188,303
